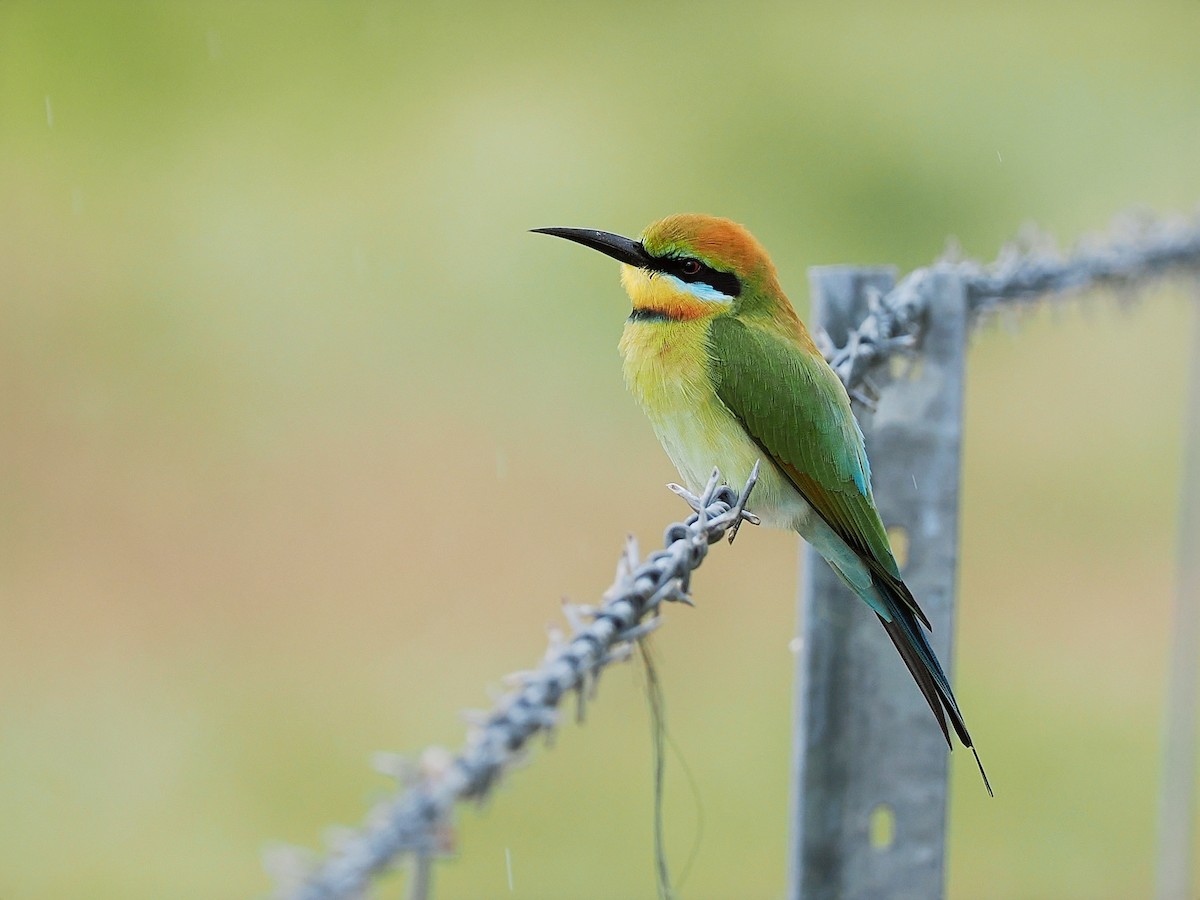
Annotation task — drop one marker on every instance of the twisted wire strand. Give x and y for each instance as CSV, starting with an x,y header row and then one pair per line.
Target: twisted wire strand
x,y
416,820
1134,254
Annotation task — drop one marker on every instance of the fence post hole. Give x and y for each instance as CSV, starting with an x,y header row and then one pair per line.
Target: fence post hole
x,y
868,815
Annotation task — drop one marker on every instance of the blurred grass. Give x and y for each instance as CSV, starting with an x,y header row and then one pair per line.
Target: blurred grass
x,y
302,436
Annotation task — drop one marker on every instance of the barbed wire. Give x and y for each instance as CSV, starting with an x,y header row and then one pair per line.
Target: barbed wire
x,y
1133,254
416,820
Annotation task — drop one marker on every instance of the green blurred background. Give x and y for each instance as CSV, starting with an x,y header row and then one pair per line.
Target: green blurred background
x,y
303,437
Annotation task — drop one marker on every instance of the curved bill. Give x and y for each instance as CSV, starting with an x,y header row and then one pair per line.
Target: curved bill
x,y
619,248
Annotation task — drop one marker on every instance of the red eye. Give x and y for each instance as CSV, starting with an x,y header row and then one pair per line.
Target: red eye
x,y
690,267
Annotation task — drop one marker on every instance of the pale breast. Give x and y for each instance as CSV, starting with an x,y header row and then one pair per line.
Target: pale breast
x,y
666,369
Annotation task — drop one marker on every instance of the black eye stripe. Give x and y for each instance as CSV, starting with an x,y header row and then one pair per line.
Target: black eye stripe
x,y
725,282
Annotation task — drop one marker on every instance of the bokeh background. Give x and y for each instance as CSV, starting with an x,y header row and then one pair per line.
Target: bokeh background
x,y
303,436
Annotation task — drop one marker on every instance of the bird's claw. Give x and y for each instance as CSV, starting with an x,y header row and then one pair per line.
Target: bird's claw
x,y
743,515
738,512
688,497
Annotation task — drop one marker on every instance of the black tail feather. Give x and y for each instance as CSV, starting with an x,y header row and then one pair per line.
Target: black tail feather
x,y
906,633
921,676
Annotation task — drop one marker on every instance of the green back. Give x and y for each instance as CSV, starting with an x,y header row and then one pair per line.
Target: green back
x,y
797,410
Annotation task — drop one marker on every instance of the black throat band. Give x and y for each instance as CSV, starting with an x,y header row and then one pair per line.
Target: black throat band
x,y
652,315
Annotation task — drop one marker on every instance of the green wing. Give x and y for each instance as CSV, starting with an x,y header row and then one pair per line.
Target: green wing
x,y
796,409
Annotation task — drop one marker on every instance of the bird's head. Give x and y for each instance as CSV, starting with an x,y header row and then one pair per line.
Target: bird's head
x,y
689,267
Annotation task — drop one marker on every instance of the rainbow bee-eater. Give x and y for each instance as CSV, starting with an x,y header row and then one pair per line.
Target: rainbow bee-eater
x,y
728,375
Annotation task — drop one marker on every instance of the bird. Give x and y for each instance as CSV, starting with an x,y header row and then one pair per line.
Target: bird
x,y
716,356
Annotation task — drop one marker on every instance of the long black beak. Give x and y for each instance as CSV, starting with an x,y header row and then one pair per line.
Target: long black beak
x,y
619,248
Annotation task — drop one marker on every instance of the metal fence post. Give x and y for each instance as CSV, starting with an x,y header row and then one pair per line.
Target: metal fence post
x,y
869,763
